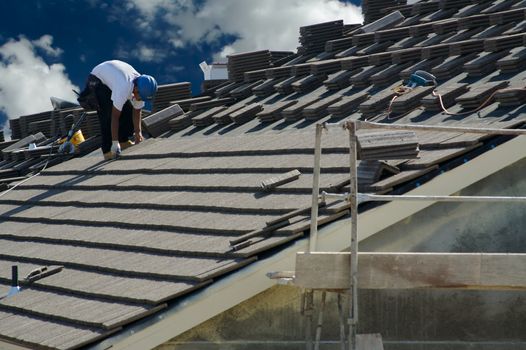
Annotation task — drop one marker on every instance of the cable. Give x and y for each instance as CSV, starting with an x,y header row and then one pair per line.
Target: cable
x,y
32,176
436,94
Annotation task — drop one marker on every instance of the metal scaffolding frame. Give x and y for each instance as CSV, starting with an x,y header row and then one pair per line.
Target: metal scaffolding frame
x,y
354,198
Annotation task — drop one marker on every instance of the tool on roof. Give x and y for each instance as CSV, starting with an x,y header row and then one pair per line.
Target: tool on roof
x,y
418,78
74,137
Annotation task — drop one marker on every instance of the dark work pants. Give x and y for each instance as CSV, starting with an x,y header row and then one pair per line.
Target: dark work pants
x,y
103,94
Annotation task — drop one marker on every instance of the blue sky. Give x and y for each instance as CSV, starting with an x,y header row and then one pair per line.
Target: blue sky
x,y
47,47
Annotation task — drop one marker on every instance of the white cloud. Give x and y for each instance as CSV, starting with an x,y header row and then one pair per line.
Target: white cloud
x,y
27,81
269,24
45,43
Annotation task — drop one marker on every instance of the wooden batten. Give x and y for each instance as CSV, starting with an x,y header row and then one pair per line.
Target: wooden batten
x,y
330,270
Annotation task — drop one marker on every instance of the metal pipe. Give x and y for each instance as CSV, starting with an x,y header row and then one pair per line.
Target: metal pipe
x,y
315,190
353,317
415,198
342,322
14,276
474,130
320,321
14,282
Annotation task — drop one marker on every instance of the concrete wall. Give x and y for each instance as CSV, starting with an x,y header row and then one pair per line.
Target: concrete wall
x,y
407,320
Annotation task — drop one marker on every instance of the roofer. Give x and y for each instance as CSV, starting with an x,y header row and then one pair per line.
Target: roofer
x,y
119,94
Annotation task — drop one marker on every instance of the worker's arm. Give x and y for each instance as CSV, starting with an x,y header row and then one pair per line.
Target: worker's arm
x,y
115,115
137,125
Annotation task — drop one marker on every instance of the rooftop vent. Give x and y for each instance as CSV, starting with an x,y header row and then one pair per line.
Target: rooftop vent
x,y
14,282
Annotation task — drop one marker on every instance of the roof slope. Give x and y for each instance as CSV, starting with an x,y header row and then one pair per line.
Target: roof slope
x,y
176,212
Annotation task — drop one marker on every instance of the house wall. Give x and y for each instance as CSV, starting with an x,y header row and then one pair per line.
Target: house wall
x,y
407,319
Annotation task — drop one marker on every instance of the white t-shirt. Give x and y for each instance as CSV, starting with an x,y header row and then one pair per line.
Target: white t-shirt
x,y
118,76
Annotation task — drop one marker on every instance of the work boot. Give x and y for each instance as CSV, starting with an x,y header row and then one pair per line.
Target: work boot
x,y
108,156
126,144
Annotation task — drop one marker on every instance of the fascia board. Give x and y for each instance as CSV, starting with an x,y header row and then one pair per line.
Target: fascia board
x,y
251,280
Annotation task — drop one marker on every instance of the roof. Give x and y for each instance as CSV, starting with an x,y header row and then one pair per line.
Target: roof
x,y
178,212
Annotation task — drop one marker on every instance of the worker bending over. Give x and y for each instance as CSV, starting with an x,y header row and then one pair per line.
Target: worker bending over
x,y
121,93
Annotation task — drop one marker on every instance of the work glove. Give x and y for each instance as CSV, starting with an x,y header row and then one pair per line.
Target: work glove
x,y
115,149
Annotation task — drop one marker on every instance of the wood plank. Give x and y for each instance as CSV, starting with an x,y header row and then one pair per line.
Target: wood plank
x,y
476,271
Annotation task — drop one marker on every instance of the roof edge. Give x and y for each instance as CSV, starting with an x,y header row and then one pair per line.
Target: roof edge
x,y
252,280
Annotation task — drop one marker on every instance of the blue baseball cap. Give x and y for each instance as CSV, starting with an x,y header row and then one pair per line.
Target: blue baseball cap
x,y
147,87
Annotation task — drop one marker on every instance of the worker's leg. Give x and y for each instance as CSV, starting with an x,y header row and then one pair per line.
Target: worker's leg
x,y
126,122
104,113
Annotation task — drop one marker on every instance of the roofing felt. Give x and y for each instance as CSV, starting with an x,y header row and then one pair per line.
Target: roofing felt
x,y
178,211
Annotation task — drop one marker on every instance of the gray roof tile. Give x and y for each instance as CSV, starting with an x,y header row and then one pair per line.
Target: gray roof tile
x,y
177,211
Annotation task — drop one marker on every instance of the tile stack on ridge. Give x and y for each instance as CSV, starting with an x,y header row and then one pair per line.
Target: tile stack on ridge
x,y
515,61
158,122
313,38
240,63
372,9
171,92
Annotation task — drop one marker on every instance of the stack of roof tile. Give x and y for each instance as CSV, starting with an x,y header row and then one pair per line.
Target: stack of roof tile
x,y
308,83
284,87
42,119
479,93
246,113
187,102
388,75
266,88
244,90
255,75
452,66
206,118
362,79
410,100
171,92
339,80
387,145
223,117
484,63
424,7
314,37
514,61
373,9
318,109
504,42
182,121
279,72
294,112
211,103
377,103
347,104
14,125
511,97
449,93
158,123
238,64
278,56
272,112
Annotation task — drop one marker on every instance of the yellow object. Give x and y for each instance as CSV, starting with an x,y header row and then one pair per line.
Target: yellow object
x,y
77,138
126,144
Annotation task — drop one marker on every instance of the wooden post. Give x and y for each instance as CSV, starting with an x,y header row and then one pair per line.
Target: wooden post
x,y
353,193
